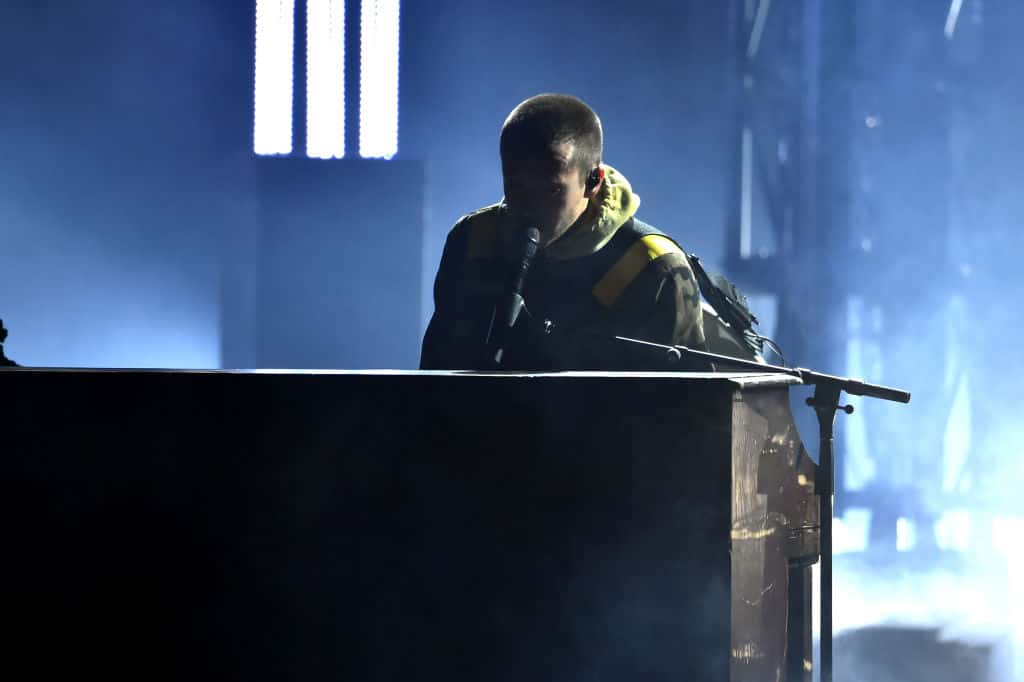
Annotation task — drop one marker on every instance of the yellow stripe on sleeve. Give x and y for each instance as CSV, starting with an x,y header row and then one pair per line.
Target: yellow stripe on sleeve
x,y
610,287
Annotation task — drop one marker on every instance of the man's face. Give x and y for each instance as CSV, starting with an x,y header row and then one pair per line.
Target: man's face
x,y
545,190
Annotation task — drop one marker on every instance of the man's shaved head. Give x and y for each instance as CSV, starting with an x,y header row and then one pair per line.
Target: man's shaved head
x,y
547,121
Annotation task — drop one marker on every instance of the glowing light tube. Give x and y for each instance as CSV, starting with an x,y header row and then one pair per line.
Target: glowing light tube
x,y
272,105
325,79
378,79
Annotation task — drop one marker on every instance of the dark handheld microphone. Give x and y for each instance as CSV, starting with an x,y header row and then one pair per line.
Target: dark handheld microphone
x,y
505,317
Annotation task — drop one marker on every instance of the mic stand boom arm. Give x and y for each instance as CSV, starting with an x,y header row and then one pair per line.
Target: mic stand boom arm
x,y
825,402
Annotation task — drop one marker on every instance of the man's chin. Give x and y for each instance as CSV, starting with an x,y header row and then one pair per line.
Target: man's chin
x,y
548,232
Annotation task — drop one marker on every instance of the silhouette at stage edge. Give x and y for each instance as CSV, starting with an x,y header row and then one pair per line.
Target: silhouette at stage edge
x,y
4,360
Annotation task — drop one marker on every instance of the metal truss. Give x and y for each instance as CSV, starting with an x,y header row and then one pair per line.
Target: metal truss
x,y
787,165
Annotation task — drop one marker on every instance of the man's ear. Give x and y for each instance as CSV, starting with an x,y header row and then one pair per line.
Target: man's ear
x,y
594,183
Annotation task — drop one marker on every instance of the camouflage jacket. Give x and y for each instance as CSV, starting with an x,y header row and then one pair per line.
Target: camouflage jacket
x,y
616,277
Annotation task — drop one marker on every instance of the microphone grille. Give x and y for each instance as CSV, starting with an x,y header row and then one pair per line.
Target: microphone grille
x,y
532,241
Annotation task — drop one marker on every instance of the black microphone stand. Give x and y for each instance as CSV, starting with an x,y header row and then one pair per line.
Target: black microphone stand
x,y
825,402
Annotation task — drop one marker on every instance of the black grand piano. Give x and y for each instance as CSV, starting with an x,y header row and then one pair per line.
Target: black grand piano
x,y
404,526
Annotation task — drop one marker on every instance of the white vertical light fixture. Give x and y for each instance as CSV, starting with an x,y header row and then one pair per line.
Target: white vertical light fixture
x,y
272,100
325,79
378,79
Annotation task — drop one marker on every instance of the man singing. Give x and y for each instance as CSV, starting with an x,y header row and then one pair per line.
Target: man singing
x,y
547,278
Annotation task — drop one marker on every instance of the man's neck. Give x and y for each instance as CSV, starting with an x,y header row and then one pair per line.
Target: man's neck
x,y
585,217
